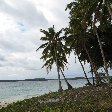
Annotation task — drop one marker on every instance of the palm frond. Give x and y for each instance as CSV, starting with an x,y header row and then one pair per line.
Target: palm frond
x,y
42,46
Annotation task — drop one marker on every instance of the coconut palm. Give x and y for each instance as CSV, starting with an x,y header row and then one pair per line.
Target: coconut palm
x,y
49,54
53,51
90,13
62,60
74,45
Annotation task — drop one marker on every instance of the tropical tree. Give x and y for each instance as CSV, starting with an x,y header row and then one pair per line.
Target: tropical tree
x,y
53,51
90,14
72,42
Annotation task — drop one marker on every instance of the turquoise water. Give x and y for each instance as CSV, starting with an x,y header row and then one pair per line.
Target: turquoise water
x,y
24,89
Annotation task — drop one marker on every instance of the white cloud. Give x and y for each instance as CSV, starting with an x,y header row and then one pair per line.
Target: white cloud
x,y
20,23
23,11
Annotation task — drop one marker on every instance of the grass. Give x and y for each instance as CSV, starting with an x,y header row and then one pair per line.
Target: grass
x,y
83,99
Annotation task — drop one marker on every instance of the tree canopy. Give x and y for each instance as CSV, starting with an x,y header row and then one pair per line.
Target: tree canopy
x,y
88,35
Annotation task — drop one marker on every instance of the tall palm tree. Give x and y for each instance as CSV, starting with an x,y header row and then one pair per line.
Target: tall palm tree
x,y
49,54
53,51
97,35
61,58
74,44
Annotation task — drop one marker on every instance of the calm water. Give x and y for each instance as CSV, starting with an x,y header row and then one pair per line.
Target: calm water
x,y
25,89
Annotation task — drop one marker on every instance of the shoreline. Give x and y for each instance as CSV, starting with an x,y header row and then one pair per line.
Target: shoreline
x,y
87,98
5,102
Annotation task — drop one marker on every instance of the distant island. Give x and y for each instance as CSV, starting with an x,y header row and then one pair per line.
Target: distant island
x,y
35,79
75,78
41,79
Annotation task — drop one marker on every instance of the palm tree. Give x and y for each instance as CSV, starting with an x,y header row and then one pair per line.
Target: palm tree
x,y
89,13
103,56
97,35
92,65
74,44
84,72
53,52
49,54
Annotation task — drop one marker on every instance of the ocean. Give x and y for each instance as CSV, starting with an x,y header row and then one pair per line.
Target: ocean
x,y
27,89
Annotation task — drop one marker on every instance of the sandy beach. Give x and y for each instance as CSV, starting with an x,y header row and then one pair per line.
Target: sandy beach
x,y
5,102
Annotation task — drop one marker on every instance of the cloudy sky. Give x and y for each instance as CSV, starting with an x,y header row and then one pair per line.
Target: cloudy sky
x,y
20,24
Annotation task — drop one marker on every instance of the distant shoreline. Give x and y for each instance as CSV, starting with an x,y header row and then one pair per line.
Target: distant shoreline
x,y
41,79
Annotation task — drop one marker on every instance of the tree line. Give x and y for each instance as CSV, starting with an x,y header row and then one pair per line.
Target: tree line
x,y
88,36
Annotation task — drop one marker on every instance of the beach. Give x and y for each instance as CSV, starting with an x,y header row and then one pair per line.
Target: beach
x,y
4,103
17,91
82,99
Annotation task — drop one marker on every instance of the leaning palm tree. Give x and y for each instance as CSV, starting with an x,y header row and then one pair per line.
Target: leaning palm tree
x,y
62,60
68,84
74,45
53,52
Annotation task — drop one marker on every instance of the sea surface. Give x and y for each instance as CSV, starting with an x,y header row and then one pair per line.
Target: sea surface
x,y
26,89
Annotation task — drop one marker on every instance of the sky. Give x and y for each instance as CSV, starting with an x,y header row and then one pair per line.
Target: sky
x,y
20,24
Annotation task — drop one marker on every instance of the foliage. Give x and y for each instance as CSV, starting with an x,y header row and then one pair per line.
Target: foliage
x,y
54,51
84,99
88,33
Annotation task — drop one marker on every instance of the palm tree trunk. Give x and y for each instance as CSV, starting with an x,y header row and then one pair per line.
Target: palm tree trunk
x,y
84,71
60,87
92,75
104,60
91,63
69,86
109,8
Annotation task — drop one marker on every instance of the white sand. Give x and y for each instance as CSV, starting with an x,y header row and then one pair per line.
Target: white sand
x,y
4,103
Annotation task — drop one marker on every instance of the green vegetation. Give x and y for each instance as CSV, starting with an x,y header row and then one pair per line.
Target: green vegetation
x,y
88,36
83,99
90,28
54,53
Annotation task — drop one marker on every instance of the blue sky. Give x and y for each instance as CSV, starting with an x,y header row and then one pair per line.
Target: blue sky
x,y
20,24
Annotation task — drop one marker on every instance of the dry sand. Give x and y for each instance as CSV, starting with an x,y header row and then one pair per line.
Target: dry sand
x,y
4,103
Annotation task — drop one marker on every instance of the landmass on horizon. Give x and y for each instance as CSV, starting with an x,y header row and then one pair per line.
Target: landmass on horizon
x,y
41,79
